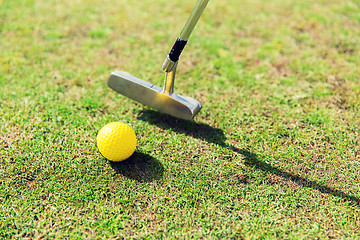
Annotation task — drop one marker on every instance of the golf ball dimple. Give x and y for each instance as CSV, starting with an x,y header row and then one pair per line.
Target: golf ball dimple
x,y
116,141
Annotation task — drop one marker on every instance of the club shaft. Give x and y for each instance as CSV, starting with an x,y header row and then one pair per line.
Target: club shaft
x,y
193,19
181,41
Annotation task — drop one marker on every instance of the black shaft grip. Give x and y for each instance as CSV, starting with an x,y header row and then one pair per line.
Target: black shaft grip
x,y
177,49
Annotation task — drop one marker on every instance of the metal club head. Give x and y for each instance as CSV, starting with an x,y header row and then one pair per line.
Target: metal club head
x,y
164,100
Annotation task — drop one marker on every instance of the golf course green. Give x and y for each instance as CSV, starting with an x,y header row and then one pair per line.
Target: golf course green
x,y
274,152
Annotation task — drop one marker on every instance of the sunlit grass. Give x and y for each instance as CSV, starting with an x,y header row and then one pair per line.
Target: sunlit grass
x,y
274,153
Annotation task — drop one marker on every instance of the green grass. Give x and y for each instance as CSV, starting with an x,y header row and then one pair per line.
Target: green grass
x,y
274,153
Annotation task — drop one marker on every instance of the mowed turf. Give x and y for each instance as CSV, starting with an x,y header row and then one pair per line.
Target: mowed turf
x,y
274,153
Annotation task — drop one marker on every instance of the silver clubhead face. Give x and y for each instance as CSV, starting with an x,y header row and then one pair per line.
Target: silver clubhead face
x,y
153,96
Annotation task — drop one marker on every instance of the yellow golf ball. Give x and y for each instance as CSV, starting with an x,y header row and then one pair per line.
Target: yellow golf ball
x,y
116,141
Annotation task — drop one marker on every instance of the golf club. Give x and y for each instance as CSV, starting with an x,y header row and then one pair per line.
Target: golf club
x,y
163,99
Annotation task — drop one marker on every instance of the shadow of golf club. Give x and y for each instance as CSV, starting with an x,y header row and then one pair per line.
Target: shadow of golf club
x,y
196,130
252,160
140,167
215,135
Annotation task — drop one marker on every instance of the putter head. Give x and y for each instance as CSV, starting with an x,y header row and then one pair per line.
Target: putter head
x,y
153,96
